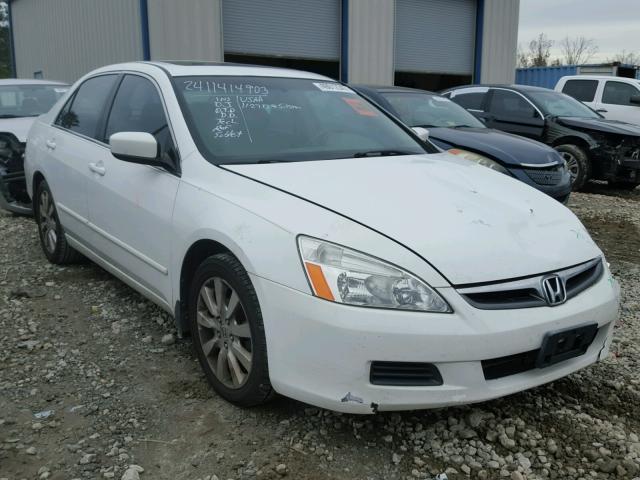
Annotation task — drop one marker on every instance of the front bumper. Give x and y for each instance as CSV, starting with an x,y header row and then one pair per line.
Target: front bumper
x,y
559,191
12,182
320,352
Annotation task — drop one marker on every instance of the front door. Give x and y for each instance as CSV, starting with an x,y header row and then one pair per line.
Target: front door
x,y
131,205
616,102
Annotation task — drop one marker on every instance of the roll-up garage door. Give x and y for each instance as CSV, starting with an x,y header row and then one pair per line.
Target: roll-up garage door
x,y
435,36
305,29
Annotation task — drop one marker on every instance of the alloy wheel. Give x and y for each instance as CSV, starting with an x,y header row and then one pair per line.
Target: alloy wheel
x,y
572,165
224,333
48,223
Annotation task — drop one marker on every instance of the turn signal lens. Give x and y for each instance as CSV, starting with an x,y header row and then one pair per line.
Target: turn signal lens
x,y
342,275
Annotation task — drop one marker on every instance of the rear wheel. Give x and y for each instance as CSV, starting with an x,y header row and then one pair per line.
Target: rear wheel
x,y
228,332
52,238
577,163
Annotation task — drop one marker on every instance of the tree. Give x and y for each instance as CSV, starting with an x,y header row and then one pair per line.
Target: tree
x,y
628,58
540,51
577,51
522,58
5,42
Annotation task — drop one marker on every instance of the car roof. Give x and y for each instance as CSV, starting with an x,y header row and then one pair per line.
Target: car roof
x,y
390,89
600,77
198,68
519,88
29,81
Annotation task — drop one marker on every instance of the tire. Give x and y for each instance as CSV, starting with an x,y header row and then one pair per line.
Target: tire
x,y
629,186
52,237
223,347
578,164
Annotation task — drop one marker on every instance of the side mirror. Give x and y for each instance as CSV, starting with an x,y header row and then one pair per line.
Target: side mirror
x,y
421,132
135,147
635,99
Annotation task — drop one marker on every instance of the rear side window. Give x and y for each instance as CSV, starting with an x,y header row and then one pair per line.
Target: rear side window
x,y
510,104
472,101
618,93
83,113
137,107
583,90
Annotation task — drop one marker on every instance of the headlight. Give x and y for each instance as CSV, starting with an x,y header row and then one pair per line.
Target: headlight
x,y
343,275
482,160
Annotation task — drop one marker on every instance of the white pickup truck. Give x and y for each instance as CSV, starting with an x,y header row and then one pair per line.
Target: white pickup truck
x,y
615,98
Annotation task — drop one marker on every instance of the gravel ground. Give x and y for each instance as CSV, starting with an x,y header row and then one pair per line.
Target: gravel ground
x,y
94,384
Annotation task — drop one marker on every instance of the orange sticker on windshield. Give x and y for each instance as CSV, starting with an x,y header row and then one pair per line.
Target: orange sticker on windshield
x,y
360,106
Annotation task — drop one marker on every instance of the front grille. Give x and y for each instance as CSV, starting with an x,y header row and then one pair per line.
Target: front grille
x,y
406,374
528,292
545,176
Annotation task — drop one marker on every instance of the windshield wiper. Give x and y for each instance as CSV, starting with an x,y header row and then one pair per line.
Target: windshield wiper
x,y
9,115
382,153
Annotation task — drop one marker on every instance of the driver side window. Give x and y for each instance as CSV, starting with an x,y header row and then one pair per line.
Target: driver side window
x,y
137,107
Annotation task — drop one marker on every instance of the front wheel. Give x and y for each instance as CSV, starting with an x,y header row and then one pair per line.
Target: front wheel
x,y
52,237
228,332
577,163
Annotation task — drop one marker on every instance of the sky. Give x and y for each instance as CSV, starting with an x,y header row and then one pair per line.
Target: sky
x,y
613,24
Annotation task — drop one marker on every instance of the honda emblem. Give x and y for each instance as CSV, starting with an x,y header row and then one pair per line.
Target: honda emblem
x,y
554,290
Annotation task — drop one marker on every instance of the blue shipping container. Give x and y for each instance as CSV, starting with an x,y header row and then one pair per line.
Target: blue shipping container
x,y
544,76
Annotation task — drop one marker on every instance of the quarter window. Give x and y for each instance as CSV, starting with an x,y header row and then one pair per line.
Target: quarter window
x,y
137,107
618,93
83,113
583,90
509,104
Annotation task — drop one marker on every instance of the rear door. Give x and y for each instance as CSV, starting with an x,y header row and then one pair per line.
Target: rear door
x,y
71,146
615,103
512,112
131,205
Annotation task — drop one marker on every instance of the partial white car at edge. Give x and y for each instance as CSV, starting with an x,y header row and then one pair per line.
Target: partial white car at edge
x,y
313,246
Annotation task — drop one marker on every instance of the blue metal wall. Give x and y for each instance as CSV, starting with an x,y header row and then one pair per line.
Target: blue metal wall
x,y
544,76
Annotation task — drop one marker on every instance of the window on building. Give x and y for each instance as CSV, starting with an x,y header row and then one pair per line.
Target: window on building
x,y
83,114
583,90
510,104
618,93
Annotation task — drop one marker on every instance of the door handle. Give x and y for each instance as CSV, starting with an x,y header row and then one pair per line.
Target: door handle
x,y
51,145
601,110
97,168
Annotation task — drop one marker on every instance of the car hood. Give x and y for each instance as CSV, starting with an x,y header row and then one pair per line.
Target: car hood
x,y
504,147
601,125
471,223
18,126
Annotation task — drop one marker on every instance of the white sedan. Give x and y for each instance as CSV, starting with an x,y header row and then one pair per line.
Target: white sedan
x,y
313,245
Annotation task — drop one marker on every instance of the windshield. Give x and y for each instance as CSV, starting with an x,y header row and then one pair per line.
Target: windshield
x,y
561,105
28,100
266,119
424,110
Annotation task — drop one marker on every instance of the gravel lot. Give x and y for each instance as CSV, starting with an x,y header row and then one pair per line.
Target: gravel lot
x,y
94,384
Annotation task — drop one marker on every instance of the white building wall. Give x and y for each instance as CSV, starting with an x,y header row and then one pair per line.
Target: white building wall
x,y
500,41
371,28
185,29
64,39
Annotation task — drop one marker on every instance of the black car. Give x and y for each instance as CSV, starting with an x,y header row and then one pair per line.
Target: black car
x,y
593,147
454,129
